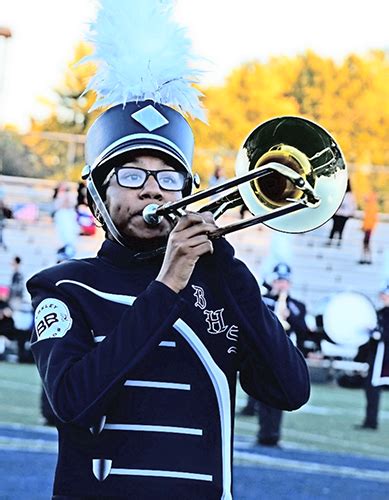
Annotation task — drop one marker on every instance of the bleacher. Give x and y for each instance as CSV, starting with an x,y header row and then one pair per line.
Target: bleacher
x,y
35,241
318,270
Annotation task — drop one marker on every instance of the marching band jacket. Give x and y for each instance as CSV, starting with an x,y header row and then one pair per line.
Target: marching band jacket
x,y
296,318
379,355
143,379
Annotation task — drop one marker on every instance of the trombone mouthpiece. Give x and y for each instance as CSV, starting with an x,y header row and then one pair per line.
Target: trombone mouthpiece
x,y
150,215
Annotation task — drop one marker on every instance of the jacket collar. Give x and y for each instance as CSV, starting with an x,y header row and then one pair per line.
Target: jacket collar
x,y
121,256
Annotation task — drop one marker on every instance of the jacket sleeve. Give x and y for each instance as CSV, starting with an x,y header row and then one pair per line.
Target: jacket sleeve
x,y
272,369
297,318
79,377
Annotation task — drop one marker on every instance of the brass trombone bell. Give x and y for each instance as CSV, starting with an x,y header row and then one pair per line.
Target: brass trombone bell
x,y
289,171
275,190
310,151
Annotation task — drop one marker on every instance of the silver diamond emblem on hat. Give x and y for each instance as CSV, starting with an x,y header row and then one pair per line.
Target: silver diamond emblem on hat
x,y
150,118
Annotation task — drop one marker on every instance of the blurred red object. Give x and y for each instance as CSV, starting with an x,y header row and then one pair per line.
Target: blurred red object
x,y
86,221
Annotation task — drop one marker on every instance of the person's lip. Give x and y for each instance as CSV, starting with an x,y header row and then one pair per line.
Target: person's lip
x,y
139,213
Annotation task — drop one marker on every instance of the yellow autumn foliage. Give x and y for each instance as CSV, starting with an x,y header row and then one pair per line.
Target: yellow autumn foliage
x,y
349,98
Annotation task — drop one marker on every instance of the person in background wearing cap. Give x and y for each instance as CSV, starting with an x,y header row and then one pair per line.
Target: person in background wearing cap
x,y
139,347
291,314
378,359
289,311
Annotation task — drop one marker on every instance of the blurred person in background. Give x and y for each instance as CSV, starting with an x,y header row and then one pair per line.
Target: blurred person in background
x,y
378,359
21,312
15,318
65,219
23,322
291,313
341,216
5,213
216,178
17,286
6,321
81,194
370,219
85,217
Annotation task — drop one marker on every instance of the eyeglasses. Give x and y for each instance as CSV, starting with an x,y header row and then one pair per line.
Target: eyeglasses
x,y
134,177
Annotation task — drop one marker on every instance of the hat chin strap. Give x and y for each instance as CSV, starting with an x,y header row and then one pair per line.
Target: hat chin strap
x,y
104,212
112,228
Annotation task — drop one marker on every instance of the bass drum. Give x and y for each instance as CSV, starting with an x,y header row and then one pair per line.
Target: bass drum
x,y
349,319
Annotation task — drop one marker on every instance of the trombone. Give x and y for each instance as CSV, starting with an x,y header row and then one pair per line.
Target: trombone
x,y
290,173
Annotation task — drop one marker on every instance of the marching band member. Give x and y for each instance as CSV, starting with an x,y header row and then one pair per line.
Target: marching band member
x,y
139,347
291,313
378,359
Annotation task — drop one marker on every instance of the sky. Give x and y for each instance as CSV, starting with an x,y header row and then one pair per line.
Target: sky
x,y
227,33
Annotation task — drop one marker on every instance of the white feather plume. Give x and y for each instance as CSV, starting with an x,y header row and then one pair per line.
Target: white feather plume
x,y
142,53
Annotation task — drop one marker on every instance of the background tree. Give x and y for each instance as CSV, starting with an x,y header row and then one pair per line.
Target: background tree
x,y
18,159
67,114
349,98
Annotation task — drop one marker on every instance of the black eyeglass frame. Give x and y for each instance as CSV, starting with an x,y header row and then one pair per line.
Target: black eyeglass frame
x,y
154,174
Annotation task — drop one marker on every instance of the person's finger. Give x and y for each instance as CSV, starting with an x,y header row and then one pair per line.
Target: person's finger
x,y
204,248
189,219
198,227
208,217
195,241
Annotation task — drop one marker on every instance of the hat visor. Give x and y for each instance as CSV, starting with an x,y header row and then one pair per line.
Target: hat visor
x,y
143,142
277,276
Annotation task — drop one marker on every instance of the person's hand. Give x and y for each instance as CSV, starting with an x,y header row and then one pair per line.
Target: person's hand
x,y
6,313
187,242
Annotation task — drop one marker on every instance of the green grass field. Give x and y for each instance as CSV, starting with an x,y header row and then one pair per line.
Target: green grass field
x,y
19,393
325,423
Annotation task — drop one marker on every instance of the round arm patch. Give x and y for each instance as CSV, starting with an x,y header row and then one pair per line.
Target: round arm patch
x,y
52,319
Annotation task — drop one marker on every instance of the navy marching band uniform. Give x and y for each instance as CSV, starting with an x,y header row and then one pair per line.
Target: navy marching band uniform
x,y
378,374
142,375
296,318
143,379
270,417
382,357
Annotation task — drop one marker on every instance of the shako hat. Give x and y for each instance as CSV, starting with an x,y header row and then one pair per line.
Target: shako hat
x,y
144,81
281,271
136,126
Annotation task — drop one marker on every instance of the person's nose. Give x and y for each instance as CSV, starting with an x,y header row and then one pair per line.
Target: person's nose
x,y
151,189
